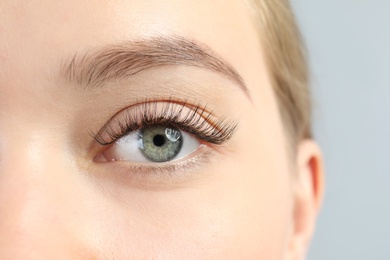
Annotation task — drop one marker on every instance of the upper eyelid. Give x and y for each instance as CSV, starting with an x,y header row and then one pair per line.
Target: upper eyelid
x,y
145,103
210,125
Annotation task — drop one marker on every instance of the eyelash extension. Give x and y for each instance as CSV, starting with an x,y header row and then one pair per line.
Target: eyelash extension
x,y
197,121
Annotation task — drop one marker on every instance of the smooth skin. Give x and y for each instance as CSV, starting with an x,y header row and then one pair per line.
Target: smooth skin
x,y
249,200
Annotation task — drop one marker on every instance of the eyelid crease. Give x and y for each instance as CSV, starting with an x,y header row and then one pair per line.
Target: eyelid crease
x,y
197,120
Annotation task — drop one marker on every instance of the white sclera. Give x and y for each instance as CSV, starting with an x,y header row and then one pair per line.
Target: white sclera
x,y
128,147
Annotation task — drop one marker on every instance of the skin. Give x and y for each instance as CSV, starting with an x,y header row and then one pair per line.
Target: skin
x,y
249,199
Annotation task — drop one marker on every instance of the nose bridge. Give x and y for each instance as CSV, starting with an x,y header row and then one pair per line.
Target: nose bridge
x,y
30,214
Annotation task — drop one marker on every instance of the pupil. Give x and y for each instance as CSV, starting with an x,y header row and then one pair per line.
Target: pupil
x,y
158,140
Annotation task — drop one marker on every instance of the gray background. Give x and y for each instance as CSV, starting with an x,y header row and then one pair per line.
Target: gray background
x,y
349,46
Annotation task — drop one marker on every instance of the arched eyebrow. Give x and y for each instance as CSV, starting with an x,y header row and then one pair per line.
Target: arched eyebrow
x,y
97,67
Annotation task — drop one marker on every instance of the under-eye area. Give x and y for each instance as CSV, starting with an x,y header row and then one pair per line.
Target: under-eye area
x,y
160,131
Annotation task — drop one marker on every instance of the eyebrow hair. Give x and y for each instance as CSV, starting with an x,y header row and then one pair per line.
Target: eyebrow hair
x,y
97,67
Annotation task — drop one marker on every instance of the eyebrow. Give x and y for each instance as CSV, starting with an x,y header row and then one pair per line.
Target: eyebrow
x,y
98,67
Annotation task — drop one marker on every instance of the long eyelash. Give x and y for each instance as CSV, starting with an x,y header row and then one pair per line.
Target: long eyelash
x,y
198,121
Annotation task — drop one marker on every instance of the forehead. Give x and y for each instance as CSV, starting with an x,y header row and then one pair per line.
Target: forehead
x,y
43,32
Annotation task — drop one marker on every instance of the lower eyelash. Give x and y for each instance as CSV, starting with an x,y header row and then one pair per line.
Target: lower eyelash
x,y
157,177
197,121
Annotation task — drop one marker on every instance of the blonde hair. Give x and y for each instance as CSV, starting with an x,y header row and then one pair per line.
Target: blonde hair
x,y
285,57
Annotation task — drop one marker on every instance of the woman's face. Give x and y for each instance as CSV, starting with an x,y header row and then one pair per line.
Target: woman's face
x,y
140,129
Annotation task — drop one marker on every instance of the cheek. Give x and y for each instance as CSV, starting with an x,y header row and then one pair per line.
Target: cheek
x,y
239,215
260,195
258,176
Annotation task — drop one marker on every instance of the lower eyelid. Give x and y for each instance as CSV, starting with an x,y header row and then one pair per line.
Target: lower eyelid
x,y
161,176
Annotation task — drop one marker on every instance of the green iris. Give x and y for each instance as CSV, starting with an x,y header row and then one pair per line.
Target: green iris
x,y
160,143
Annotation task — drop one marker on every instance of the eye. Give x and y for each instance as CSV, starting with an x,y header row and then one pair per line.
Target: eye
x,y
157,132
153,144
